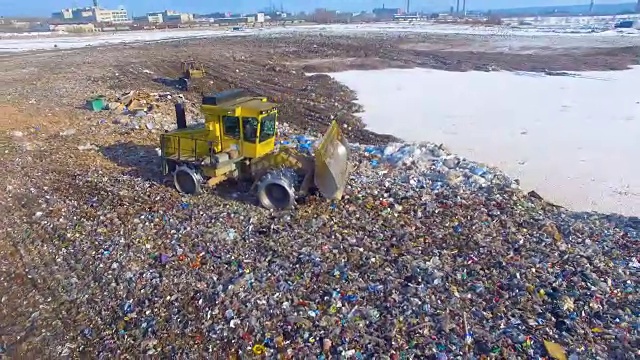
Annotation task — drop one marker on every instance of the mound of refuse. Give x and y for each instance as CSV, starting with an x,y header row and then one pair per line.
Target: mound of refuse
x,y
429,255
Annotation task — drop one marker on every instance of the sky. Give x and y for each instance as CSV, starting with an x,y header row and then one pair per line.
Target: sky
x,y
140,7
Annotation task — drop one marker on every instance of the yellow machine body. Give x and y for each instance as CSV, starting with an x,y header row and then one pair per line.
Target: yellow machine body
x,y
242,126
238,138
192,69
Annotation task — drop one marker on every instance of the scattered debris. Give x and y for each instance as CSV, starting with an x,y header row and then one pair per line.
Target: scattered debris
x,y
68,132
87,146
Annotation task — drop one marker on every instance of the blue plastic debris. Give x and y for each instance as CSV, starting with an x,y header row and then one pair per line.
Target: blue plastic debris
x,y
127,308
478,171
350,298
229,314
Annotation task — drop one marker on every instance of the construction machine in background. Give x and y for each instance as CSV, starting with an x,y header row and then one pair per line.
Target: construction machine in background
x,y
191,70
238,140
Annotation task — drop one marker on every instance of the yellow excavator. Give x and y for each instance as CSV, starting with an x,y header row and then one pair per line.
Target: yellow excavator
x,y
238,140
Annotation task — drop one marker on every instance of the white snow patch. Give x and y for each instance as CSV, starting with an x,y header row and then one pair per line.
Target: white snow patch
x,y
73,42
572,139
499,30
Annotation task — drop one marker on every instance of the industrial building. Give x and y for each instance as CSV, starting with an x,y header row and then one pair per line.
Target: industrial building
x,y
169,16
229,21
386,13
93,14
153,18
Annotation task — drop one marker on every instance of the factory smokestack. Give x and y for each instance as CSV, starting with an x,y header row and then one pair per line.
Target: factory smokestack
x,y
464,7
638,7
409,6
457,7
95,3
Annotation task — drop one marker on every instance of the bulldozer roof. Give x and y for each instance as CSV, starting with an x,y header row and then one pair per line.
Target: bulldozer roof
x,y
255,103
236,97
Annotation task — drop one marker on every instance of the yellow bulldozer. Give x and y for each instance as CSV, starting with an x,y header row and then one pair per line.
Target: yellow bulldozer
x,y
238,140
191,70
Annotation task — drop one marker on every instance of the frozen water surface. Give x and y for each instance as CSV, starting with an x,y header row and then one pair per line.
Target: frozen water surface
x,y
575,140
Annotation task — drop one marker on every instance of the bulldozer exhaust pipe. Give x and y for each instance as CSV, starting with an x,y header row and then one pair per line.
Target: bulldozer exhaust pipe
x,y
181,116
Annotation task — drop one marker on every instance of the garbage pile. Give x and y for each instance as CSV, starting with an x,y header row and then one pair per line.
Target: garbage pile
x,y
429,255
148,110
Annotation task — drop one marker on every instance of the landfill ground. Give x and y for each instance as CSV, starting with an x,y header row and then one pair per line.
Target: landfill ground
x,y
427,256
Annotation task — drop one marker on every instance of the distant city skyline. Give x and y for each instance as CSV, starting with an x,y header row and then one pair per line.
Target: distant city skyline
x,y
139,7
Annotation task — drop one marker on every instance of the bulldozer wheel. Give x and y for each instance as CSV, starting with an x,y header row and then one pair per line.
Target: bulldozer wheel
x,y
187,180
276,189
278,195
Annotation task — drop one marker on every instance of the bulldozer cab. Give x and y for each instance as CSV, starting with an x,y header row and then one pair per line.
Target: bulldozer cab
x,y
241,122
192,69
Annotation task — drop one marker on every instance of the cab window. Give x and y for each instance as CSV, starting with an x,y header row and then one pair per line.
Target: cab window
x,y
250,127
268,127
231,126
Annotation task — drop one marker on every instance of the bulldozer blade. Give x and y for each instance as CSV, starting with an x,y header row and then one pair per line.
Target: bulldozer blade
x,y
332,163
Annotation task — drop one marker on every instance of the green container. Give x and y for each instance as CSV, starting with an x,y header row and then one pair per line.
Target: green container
x,y
96,104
